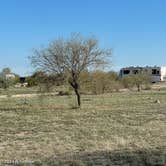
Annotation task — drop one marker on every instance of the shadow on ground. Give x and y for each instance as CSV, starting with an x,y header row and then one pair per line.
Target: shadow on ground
x,y
106,158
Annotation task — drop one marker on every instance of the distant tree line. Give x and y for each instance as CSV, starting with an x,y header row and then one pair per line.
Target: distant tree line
x,y
96,82
92,82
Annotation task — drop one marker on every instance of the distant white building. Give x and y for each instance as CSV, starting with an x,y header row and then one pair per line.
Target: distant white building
x,y
10,76
156,73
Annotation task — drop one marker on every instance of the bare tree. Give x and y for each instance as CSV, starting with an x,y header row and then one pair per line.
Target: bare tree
x,y
71,56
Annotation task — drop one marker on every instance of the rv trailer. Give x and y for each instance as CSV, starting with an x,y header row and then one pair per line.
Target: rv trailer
x,y
157,74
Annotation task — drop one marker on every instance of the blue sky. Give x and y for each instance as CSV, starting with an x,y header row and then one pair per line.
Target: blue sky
x,y
134,29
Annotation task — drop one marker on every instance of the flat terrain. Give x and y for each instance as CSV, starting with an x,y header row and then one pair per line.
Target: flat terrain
x,y
127,128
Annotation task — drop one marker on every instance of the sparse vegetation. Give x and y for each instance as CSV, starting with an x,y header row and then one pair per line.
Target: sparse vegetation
x,y
113,129
7,78
100,82
139,81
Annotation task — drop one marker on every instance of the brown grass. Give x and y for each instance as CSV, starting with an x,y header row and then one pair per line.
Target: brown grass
x,y
111,129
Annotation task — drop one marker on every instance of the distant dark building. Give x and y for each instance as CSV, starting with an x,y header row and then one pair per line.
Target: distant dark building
x,y
22,80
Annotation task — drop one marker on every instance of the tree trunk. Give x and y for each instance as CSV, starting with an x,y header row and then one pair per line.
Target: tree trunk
x,y
78,97
75,86
139,87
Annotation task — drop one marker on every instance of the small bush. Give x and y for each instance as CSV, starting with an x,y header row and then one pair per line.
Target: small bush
x,y
99,82
139,81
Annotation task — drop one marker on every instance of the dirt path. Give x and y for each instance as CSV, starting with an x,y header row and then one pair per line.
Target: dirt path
x,y
26,95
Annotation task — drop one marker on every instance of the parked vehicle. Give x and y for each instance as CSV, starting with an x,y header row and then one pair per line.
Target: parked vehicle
x,y
156,73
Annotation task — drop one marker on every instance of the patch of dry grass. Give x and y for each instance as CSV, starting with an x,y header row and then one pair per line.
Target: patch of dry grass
x,y
111,129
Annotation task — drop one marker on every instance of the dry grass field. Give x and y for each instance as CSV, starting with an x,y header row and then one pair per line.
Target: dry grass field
x,y
127,128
